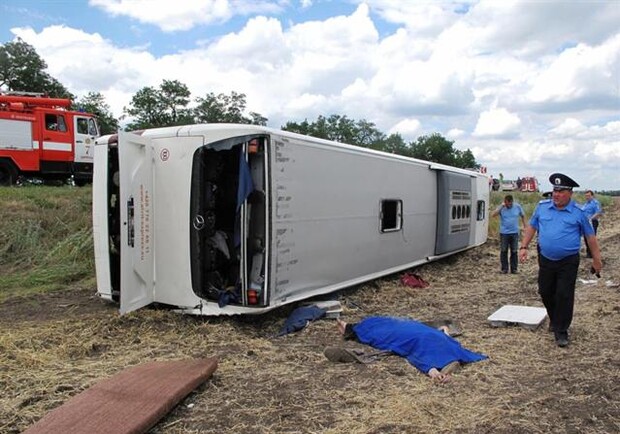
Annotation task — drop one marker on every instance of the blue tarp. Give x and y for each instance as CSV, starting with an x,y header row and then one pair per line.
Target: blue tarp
x,y
423,346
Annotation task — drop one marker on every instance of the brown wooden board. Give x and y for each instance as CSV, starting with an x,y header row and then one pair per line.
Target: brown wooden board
x,y
131,401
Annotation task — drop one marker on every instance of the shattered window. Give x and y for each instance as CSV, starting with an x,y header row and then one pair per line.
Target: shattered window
x,y
391,215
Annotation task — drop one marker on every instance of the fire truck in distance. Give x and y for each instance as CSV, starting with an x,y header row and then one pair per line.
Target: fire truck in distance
x,y
41,137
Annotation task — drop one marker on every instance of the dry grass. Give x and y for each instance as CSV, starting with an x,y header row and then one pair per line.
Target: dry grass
x,y
54,346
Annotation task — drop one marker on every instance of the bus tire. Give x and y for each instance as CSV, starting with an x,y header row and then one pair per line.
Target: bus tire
x,y
8,172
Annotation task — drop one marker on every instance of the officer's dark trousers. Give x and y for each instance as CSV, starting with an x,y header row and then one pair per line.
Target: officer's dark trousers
x,y
556,285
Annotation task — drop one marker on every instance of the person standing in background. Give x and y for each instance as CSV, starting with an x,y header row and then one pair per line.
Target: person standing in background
x,y
509,213
593,211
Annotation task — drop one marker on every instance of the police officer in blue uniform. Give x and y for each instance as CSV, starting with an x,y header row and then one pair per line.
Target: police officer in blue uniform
x,y
560,224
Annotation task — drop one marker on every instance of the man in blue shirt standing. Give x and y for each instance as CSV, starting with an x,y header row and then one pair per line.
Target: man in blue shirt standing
x,y
509,213
593,211
560,223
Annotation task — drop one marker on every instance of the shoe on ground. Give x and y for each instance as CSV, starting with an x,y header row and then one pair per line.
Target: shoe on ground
x,y
561,339
341,355
504,271
514,272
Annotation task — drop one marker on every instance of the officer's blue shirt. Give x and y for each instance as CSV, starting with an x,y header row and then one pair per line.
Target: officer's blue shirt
x,y
592,207
560,230
509,222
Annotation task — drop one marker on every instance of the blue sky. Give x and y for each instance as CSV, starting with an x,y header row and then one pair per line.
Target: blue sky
x,y
525,85
128,31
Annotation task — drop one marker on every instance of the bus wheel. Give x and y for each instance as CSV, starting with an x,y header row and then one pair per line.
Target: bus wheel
x,y
8,173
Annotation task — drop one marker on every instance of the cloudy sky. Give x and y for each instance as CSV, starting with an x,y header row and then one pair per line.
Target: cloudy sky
x,y
531,87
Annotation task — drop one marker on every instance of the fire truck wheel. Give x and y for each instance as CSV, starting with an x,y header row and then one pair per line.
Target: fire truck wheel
x,y
8,173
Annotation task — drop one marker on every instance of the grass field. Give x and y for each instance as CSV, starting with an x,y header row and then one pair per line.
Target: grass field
x,y
46,236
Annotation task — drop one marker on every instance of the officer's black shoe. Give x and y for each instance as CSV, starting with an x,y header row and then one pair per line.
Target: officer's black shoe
x,y
561,338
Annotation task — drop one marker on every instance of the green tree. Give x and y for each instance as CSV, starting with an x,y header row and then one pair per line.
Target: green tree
x,y
438,149
341,129
95,103
369,136
224,108
467,160
298,127
146,110
258,119
175,97
162,107
23,70
394,144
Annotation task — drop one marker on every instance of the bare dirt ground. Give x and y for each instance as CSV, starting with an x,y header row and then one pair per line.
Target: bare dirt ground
x,y
54,346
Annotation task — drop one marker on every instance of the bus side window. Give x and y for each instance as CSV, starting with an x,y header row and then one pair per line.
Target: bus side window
x,y
391,217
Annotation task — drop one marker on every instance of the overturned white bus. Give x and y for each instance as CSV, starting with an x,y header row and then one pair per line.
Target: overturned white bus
x,y
224,219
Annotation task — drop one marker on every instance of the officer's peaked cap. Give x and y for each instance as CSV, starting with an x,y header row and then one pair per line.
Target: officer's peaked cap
x,y
559,180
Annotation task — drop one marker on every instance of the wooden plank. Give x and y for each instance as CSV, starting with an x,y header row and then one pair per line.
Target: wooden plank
x,y
131,401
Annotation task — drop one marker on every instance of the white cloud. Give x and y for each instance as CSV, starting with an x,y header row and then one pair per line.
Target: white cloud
x,y
536,28
426,19
581,76
455,133
407,128
184,14
497,122
589,154
570,126
306,103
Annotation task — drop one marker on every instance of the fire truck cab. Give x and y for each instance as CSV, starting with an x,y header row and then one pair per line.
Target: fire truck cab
x,y
41,137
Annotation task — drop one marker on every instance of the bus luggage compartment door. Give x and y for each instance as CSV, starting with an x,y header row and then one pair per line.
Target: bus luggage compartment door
x,y
454,211
136,204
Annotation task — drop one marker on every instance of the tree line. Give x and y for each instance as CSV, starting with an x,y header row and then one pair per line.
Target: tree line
x,y
169,104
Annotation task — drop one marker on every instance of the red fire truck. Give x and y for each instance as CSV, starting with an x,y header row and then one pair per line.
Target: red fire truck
x,y
40,137
529,184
